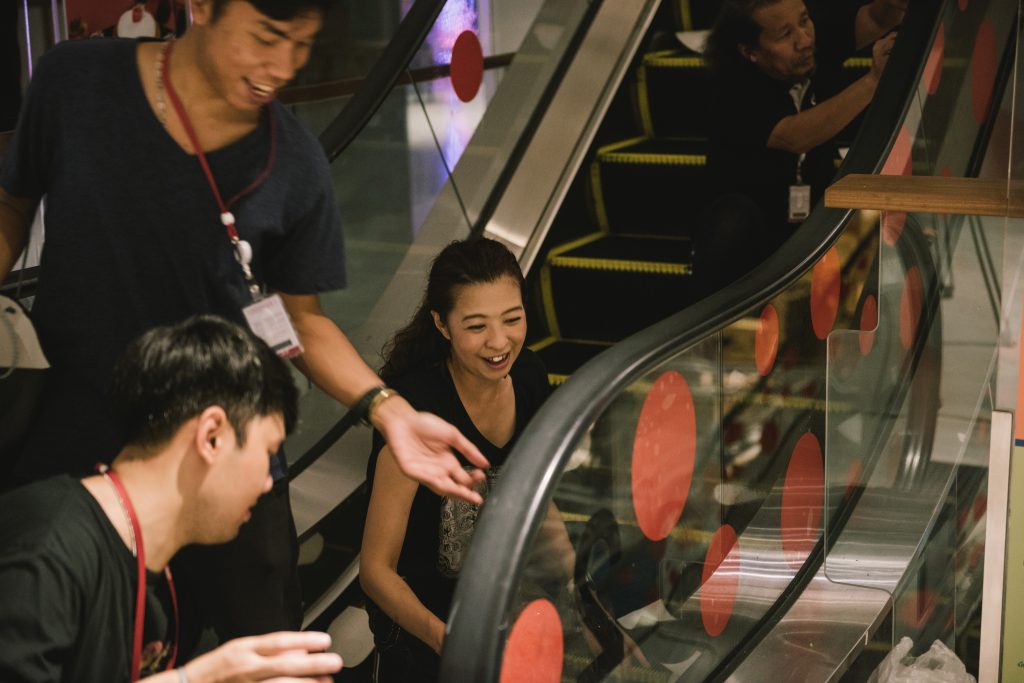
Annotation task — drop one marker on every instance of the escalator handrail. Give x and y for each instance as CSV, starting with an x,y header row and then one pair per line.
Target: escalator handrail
x,y
382,78
514,510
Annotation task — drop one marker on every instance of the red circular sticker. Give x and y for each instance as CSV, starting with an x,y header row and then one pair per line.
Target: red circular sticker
x,y
803,496
892,226
983,70
720,580
868,324
534,650
467,70
853,477
899,161
825,293
933,67
663,455
766,341
910,306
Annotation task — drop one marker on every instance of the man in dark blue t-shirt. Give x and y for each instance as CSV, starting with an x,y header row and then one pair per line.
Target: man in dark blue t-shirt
x,y
138,233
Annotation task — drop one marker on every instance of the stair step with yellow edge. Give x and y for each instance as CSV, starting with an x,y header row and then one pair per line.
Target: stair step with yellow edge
x,y
607,286
658,184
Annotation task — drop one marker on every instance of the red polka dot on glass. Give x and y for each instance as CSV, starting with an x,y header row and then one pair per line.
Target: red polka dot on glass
x,y
868,323
534,651
983,70
892,226
962,4
933,67
467,70
853,476
663,454
720,580
766,341
910,306
803,495
899,161
825,293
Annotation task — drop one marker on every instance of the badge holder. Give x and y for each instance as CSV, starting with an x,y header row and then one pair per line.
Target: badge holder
x,y
799,196
266,315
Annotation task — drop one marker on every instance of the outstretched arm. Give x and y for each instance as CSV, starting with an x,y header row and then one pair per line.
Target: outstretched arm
x,y
386,522
283,657
422,443
799,133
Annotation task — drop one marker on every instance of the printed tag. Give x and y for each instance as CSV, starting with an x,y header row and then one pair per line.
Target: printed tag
x,y
799,202
269,321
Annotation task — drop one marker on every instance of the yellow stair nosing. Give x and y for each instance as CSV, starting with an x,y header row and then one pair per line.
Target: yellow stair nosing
x,y
654,60
621,265
654,158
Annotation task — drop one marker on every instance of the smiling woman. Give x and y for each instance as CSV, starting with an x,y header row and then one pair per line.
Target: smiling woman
x,y
462,358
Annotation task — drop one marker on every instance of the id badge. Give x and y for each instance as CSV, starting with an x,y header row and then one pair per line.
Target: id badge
x,y
269,321
799,202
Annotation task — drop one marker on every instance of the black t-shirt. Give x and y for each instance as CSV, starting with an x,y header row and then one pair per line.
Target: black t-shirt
x,y
747,105
133,233
67,591
439,529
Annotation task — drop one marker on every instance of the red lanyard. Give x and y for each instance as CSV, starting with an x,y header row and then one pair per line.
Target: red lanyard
x,y
242,253
140,593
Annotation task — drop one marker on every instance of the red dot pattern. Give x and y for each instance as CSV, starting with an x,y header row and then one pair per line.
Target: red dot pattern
x,y
803,497
899,161
467,69
868,323
766,341
853,476
983,70
910,306
933,67
892,226
663,455
825,293
534,652
720,581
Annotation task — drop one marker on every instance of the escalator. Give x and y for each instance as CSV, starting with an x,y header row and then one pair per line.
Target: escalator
x,y
632,214
782,480
511,173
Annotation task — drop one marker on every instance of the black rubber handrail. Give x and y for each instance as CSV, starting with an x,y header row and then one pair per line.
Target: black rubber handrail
x,y
382,78
544,449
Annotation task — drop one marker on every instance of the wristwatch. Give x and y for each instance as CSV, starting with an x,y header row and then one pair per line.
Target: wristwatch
x,y
370,401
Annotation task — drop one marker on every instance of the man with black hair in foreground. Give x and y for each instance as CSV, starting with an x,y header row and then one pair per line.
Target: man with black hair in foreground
x,y
205,405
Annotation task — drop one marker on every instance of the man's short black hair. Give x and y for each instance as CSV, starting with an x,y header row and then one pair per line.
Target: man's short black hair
x,y
171,374
734,27
279,10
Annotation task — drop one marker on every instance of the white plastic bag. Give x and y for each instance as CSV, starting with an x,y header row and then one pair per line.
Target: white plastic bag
x,y
938,665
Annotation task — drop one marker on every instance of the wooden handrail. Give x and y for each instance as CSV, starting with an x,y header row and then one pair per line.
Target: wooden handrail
x,y
928,194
